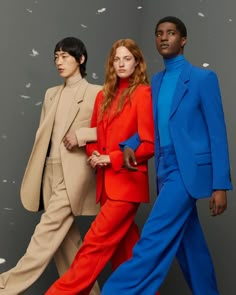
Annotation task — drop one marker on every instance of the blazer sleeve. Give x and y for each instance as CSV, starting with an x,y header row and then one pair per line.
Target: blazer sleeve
x,y
132,142
92,146
145,126
214,116
86,134
145,130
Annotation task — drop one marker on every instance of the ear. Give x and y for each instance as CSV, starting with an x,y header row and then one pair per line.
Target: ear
x,y
82,59
183,42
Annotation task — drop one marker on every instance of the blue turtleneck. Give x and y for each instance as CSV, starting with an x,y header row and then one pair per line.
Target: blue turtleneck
x,y
173,69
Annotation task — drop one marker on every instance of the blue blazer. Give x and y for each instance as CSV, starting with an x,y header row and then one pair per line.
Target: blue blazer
x,y
197,129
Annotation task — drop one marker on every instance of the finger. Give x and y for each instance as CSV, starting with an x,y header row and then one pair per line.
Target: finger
x,y
96,153
134,159
130,167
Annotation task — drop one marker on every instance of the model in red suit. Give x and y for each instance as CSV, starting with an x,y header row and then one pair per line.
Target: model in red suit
x,y
120,111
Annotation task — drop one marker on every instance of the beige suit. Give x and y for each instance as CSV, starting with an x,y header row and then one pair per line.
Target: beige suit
x,y
71,191
78,176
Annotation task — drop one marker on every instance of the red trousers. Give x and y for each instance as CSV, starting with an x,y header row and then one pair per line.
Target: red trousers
x,y
111,236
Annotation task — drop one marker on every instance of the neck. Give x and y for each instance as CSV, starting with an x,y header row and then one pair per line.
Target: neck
x,y
74,80
174,63
123,83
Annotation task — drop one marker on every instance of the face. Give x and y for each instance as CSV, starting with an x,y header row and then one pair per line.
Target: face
x,y
124,62
169,42
66,64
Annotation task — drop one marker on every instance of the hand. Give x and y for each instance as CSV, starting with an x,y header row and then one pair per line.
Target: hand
x,y
129,157
218,202
70,141
98,160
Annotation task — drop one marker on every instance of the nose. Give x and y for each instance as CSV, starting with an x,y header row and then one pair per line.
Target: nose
x,y
164,36
121,63
59,60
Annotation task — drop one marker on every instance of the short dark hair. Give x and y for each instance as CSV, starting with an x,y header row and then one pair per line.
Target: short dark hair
x,y
180,26
76,48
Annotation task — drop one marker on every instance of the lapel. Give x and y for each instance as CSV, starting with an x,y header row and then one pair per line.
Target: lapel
x,y
181,87
156,85
75,106
51,109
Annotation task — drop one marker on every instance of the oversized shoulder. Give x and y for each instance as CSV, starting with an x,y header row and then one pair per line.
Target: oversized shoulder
x,y
93,89
189,72
202,72
90,89
141,92
52,91
142,88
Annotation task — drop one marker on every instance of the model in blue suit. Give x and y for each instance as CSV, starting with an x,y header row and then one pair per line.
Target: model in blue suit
x,y
191,157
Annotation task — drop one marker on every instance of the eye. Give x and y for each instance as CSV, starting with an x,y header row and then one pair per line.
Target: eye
x,y
171,33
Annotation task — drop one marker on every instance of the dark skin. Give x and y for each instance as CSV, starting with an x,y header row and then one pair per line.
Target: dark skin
x,y
169,44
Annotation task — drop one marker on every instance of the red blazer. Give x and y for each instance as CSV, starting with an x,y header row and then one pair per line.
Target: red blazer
x,y
137,116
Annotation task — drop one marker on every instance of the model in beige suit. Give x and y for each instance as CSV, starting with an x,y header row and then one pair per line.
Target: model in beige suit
x,y
57,172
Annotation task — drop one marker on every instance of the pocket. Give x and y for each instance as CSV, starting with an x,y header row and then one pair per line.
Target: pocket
x,y
203,159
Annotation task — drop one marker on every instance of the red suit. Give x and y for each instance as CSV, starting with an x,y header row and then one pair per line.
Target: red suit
x,y
113,233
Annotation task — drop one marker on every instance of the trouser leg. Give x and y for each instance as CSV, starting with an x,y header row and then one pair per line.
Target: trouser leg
x,y
48,235
108,229
125,247
54,229
195,260
65,254
153,254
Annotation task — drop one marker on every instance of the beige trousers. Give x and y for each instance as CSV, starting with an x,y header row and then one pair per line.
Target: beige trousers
x,y
55,235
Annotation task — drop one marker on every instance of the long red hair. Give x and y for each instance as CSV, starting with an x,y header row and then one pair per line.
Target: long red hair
x,y
111,83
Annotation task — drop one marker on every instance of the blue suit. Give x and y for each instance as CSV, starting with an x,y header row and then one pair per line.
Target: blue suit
x,y
195,164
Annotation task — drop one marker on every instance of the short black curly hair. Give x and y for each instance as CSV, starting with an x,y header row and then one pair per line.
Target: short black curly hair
x,y
180,26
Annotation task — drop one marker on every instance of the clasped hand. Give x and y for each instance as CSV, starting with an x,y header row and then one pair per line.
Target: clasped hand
x,y
98,160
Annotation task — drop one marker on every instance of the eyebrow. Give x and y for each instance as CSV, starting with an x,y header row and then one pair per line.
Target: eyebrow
x,y
169,30
123,56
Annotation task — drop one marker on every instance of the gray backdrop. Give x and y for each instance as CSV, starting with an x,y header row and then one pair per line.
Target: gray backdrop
x,y
29,30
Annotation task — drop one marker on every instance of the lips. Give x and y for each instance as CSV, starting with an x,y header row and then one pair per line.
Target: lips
x,y
164,45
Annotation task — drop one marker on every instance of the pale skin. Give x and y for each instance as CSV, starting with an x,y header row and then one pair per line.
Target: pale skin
x,y
68,67
124,64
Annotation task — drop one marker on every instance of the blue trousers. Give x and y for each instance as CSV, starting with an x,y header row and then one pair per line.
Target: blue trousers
x,y
172,229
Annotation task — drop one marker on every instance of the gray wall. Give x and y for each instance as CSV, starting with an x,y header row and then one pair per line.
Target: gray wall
x,y
29,30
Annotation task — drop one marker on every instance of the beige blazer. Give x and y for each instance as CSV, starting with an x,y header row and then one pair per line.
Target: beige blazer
x,y
79,177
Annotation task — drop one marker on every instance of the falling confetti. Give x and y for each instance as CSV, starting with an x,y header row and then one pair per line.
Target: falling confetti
x,y
4,136
205,65
201,14
38,103
34,53
28,85
2,260
84,26
139,7
94,76
230,20
4,181
24,96
29,10
101,10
